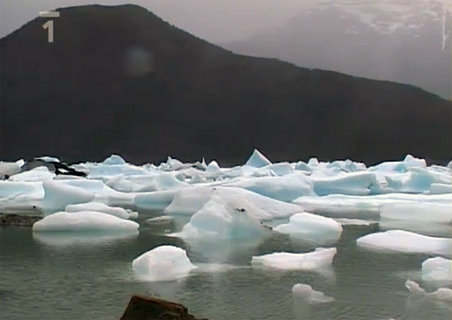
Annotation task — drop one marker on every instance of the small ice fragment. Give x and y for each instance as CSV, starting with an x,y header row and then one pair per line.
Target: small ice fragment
x,y
437,269
444,294
310,295
257,160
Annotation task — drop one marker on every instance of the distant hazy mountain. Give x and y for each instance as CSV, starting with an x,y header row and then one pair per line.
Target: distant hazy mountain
x,y
121,80
397,40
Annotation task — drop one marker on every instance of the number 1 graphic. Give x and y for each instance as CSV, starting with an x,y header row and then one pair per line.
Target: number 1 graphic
x,y
49,25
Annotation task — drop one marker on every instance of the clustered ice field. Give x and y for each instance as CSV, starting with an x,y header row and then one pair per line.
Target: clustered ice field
x,y
243,205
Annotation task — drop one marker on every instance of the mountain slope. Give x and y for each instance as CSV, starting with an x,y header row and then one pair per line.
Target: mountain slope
x,y
121,80
403,41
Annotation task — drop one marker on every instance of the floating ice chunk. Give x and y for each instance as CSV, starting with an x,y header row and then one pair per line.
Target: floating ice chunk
x,y
48,159
444,294
280,169
189,200
99,207
157,200
164,263
321,257
311,227
355,222
213,168
257,160
357,183
84,221
285,188
222,219
35,175
57,195
10,189
419,211
113,160
302,166
160,220
404,241
437,269
305,292
8,169
440,188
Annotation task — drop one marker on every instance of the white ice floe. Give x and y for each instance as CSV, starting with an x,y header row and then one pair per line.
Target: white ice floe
x,y
37,174
404,241
101,207
311,227
189,200
356,183
84,221
285,188
164,263
11,190
223,219
8,169
57,195
321,257
443,294
309,295
418,211
355,222
437,269
157,200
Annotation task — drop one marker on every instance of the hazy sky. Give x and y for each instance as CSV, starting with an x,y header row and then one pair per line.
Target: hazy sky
x,y
228,20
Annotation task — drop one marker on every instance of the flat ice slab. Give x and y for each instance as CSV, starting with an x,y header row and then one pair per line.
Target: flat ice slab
x,y
311,227
321,257
84,221
164,263
404,241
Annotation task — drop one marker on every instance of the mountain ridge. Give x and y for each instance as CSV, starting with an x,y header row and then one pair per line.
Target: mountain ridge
x,y
125,81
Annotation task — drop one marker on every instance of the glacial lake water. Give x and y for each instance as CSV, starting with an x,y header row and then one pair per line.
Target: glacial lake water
x,y
65,277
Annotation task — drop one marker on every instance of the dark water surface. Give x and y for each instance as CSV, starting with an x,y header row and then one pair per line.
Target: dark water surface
x,y
45,277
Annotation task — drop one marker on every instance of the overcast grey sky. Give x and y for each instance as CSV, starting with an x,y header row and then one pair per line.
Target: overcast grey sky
x,y
228,20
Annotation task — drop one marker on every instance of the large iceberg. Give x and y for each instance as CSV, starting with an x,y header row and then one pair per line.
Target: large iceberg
x,y
311,227
223,219
321,257
84,221
404,241
164,263
437,269
189,200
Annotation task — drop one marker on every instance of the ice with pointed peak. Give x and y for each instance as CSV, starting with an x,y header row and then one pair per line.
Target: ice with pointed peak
x,y
257,160
321,257
310,226
213,168
164,263
437,269
221,218
443,294
405,241
57,195
101,207
86,221
309,295
189,200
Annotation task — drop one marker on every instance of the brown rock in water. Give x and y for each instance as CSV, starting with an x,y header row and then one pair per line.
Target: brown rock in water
x,y
150,308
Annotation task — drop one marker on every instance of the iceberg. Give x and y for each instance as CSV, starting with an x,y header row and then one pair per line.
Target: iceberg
x,y
157,200
305,292
164,263
443,294
101,207
223,219
10,189
58,195
313,227
321,257
37,174
356,183
257,160
404,241
418,211
190,200
84,221
8,169
437,269
285,188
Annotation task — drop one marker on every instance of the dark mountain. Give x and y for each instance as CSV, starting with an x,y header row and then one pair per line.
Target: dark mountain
x,y
121,80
